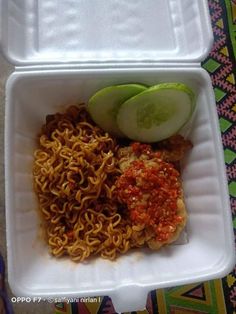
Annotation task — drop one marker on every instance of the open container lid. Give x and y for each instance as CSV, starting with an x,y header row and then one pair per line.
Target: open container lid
x,y
36,32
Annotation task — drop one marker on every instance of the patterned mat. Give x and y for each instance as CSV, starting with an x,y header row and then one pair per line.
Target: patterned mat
x,y
216,296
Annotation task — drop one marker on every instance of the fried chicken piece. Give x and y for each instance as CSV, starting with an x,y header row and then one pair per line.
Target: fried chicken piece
x,y
145,235
170,150
138,163
174,148
154,244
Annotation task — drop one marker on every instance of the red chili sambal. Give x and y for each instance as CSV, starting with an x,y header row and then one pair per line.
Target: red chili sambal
x,y
150,187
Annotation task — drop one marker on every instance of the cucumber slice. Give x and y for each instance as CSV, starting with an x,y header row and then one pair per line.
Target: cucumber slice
x,y
157,113
104,105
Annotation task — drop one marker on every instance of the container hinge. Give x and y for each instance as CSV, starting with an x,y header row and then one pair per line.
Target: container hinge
x,y
106,65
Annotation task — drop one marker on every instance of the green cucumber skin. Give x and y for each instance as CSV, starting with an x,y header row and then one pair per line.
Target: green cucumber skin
x,y
106,119
166,86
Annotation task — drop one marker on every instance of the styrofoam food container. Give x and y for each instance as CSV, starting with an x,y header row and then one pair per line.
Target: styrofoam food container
x,y
64,51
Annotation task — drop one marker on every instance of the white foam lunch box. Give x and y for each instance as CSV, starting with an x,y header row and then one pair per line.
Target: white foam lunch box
x,y
64,51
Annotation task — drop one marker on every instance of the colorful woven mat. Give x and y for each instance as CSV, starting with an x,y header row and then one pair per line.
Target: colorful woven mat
x,y
216,296
5,304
